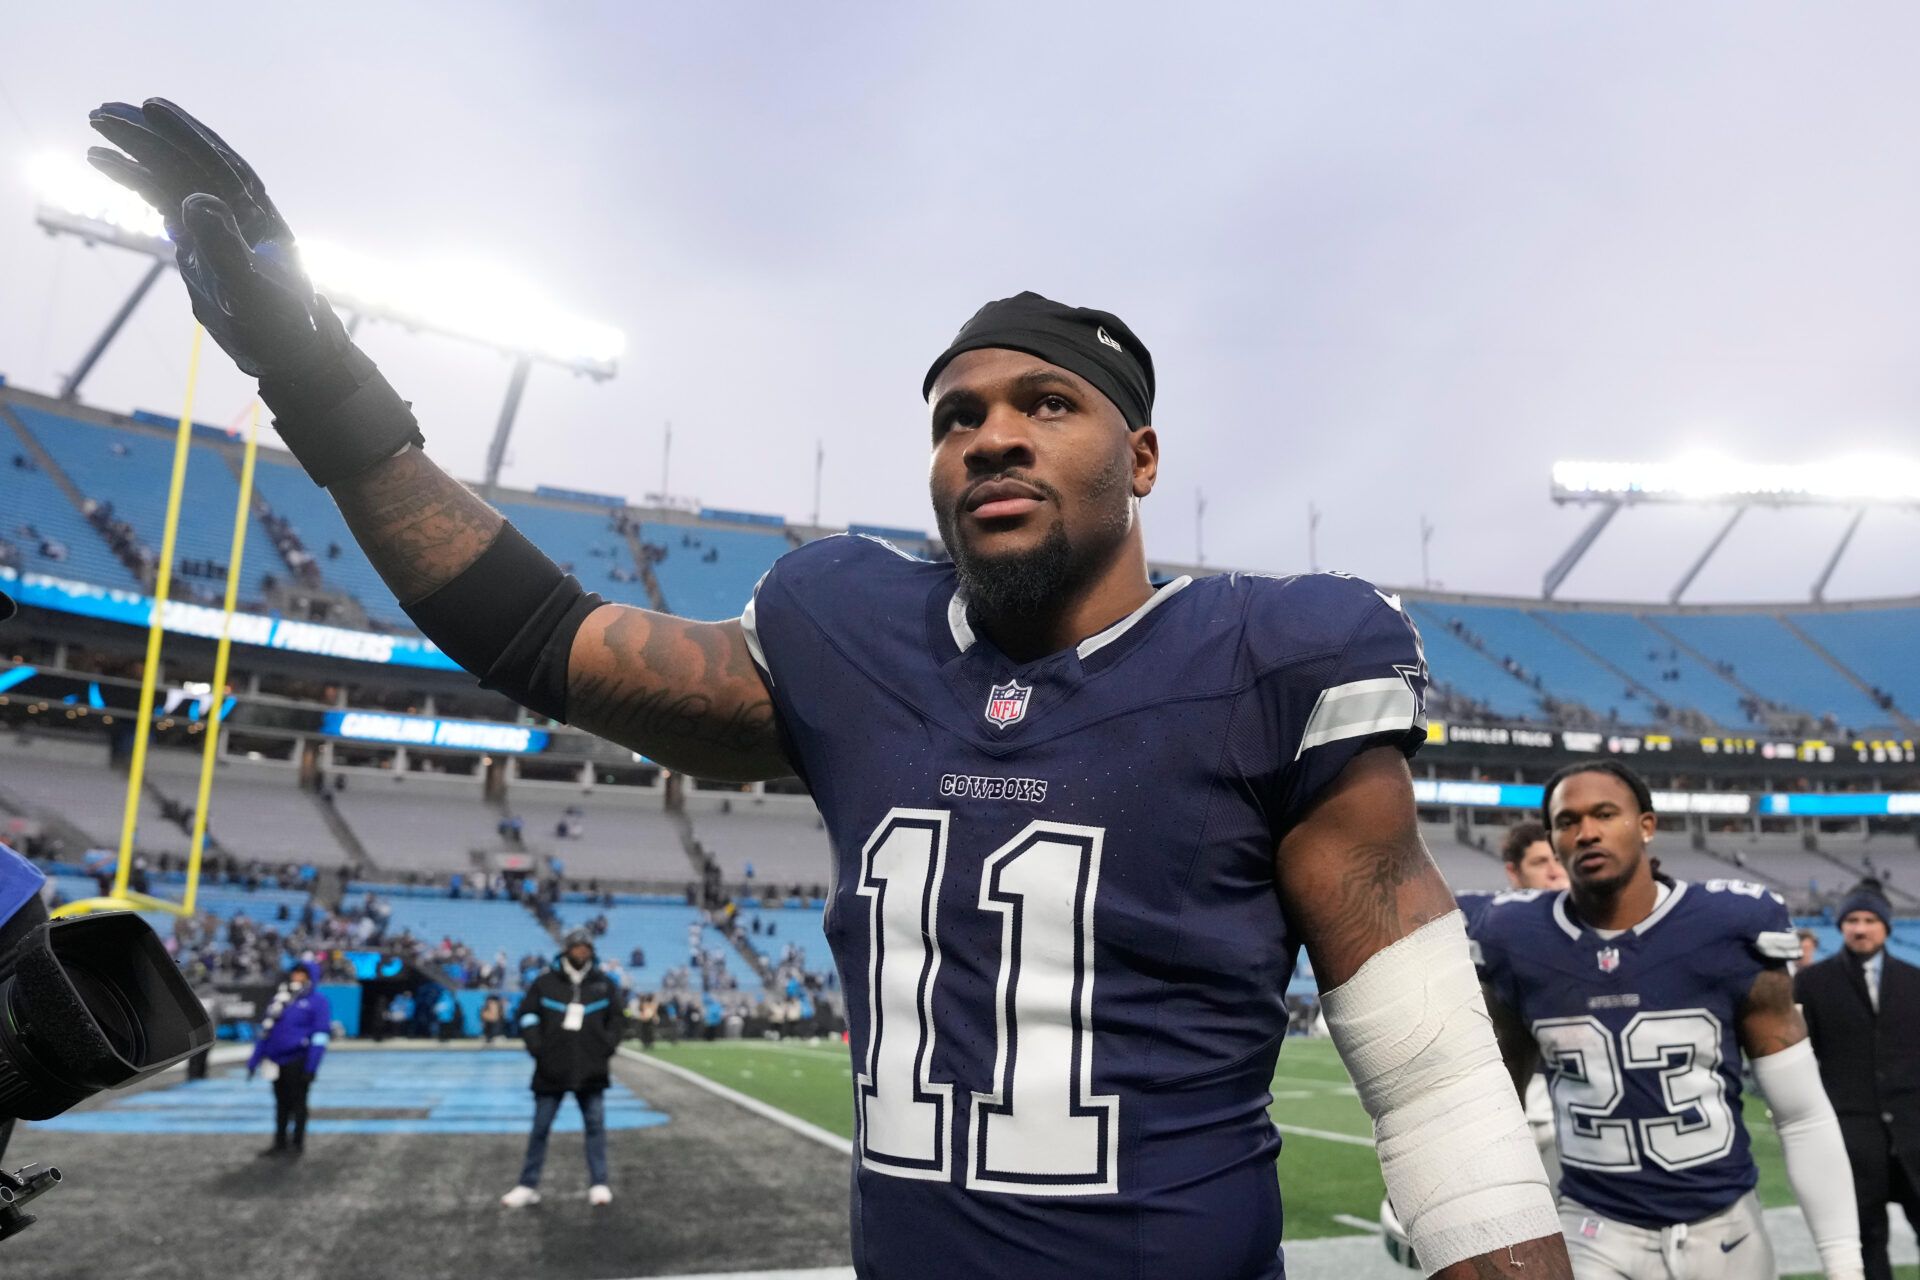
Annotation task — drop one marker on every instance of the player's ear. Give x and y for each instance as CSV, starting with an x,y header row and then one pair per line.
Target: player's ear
x,y
1146,460
1649,823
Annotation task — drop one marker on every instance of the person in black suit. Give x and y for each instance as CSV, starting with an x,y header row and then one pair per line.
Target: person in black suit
x,y
1862,1008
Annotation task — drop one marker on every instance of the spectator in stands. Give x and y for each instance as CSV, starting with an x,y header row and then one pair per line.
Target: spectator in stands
x,y
1862,1008
294,1037
571,1020
1809,946
493,1019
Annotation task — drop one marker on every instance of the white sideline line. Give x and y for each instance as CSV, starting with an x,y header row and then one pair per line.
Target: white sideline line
x,y
1349,1220
785,1120
1351,1139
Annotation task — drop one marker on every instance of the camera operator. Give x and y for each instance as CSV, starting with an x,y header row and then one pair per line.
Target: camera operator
x,y
86,1004
22,908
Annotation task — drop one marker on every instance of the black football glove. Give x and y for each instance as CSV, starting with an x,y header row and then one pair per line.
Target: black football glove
x,y
234,249
236,254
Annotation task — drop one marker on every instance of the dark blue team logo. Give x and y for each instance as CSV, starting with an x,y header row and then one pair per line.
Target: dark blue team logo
x,y
1007,703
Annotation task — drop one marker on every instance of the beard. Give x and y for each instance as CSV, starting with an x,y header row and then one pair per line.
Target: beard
x,y
1020,585
1043,578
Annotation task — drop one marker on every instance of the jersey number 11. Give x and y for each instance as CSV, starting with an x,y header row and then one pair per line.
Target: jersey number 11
x,y
1041,1130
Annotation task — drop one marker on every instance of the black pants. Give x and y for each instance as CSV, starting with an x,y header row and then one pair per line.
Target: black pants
x,y
1879,1178
290,1103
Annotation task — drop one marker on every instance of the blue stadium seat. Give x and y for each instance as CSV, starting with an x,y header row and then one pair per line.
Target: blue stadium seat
x,y
1643,653
1468,672
1770,659
306,506
1565,672
659,929
712,591
1876,644
134,480
574,537
32,498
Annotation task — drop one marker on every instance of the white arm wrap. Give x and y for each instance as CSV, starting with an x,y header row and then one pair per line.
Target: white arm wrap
x,y
1460,1165
1816,1156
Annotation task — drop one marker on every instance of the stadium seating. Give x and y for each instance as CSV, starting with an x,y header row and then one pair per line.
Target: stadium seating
x,y
294,498
1564,671
626,833
70,777
782,836
486,927
1469,673
1876,644
1768,658
584,540
31,498
130,469
1645,655
418,822
799,925
658,929
256,811
696,588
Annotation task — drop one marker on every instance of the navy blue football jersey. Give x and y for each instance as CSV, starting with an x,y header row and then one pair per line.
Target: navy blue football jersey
x,y
1639,1037
1054,908
1473,905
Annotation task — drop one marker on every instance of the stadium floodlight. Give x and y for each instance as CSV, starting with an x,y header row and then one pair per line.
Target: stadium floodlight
x,y
1858,481
472,300
477,301
1850,482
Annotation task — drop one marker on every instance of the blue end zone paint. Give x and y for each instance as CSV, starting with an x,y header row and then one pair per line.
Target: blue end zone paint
x,y
459,1092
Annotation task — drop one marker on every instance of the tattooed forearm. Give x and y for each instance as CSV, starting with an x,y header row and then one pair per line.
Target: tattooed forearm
x,y
684,693
627,715
1353,874
1769,1020
418,525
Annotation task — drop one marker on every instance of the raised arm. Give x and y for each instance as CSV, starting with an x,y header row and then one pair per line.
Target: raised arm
x,y
1405,1010
683,693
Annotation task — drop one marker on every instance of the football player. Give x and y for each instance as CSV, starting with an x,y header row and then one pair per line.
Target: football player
x,y
1638,994
1082,823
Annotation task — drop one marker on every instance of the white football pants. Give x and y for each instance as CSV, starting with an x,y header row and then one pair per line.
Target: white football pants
x,y
1731,1245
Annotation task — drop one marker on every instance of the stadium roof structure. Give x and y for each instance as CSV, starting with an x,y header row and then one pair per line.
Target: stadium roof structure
x,y
474,302
1854,482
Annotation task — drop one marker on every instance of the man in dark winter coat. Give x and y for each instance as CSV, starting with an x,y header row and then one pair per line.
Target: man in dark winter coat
x,y
1862,1008
570,1021
294,1037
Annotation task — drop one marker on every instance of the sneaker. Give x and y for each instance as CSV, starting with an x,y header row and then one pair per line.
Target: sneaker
x,y
601,1194
520,1198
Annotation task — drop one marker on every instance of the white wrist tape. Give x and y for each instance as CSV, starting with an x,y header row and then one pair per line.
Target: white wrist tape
x,y
1816,1155
1460,1165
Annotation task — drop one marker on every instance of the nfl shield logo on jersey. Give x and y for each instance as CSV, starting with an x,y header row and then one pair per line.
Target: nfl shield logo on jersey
x,y
1007,703
1609,959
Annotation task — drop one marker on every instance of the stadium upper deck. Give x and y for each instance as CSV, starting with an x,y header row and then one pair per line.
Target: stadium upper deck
x,y
1780,669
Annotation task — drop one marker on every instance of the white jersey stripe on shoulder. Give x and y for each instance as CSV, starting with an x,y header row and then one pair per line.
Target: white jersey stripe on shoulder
x,y
752,631
1358,708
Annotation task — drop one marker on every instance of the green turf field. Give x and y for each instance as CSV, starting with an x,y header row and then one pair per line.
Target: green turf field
x,y
1327,1163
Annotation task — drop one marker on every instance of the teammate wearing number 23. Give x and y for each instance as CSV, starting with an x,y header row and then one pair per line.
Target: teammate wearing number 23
x,y
1638,994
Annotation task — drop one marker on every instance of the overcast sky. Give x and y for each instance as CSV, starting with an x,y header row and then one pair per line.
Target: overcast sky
x,y
1392,260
